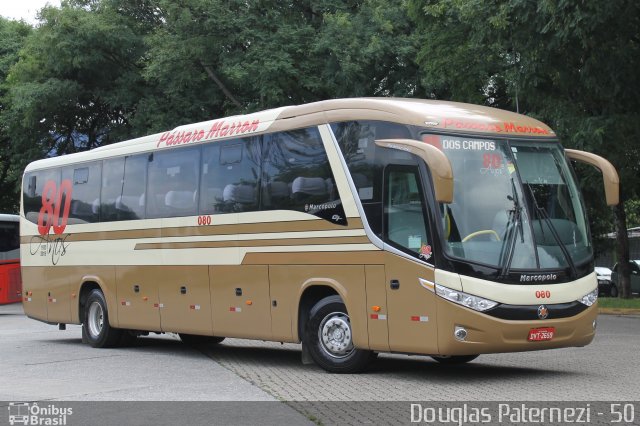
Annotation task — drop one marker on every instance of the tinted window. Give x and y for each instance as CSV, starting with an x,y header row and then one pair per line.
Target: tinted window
x,y
9,240
112,180
85,198
123,188
366,162
173,183
33,186
230,173
404,210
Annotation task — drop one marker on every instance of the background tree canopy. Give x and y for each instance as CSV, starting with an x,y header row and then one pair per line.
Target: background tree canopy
x,y
95,72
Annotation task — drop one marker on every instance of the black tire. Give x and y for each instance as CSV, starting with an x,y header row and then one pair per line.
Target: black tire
x,y
328,336
194,339
613,291
95,324
455,360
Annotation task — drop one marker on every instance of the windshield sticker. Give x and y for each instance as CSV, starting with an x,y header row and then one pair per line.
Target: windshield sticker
x,y
366,193
492,164
415,242
425,252
511,167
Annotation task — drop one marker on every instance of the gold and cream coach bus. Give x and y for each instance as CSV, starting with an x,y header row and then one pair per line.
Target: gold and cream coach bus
x,y
354,226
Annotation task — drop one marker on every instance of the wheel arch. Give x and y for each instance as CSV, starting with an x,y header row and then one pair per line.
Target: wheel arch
x,y
311,292
87,284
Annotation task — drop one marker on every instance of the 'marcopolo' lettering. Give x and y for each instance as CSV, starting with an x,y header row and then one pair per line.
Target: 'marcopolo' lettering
x,y
541,277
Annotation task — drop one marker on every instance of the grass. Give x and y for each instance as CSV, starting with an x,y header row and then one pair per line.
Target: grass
x,y
617,303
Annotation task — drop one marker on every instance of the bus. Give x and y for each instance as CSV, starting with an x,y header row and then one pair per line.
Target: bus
x,y
10,282
352,226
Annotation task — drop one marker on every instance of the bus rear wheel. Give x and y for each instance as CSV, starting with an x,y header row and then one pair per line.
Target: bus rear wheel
x,y
329,338
455,360
95,325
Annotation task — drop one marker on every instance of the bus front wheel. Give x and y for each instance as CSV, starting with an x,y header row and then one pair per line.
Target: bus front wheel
x,y
95,324
329,338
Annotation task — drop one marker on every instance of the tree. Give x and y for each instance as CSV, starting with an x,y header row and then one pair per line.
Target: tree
x,y
214,58
75,85
12,36
571,64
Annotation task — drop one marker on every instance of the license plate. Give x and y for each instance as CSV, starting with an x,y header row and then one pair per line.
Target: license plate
x,y
541,334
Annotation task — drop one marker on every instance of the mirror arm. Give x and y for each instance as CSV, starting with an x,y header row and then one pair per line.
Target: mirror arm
x,y
609,173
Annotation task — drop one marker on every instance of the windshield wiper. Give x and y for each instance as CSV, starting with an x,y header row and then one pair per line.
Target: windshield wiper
x,y
514,225
542,213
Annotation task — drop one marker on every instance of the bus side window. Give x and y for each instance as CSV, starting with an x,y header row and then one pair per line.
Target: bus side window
x,y
173,183
296,172
85,196
229,176
9,240
357,143
112,181
33,187
129,202
405,211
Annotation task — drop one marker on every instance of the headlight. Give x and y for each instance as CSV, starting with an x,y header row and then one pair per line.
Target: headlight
x,y
590,298
470,301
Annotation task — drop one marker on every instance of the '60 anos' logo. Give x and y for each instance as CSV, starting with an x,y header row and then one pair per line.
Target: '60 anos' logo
x,y
52,202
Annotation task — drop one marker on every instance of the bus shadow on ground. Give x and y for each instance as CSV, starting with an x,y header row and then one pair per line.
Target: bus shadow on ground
x,y
289,357
143,344
471,372
243,353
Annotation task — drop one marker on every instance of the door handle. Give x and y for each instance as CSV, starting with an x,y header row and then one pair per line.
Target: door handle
x,y
394,284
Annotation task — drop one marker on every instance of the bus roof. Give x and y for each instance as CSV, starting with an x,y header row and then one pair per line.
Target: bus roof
x,y
442,116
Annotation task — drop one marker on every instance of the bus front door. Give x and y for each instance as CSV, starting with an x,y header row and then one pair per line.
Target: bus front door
x,y
410,298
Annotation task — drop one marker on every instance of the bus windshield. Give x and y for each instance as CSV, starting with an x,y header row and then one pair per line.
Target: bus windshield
x,y
516,205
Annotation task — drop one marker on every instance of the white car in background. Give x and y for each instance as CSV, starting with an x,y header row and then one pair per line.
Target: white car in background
x,y
605,285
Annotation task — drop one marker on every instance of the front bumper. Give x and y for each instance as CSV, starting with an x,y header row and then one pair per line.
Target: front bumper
x,y
487,334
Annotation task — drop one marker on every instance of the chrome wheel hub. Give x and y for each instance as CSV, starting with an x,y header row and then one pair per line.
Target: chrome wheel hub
x,y
95,319
335,335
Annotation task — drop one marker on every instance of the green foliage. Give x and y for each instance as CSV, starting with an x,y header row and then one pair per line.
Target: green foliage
x,y
632,208
75,84
214,58
619,303
12,36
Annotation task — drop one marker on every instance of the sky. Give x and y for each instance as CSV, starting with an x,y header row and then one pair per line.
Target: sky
x,y
24,9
